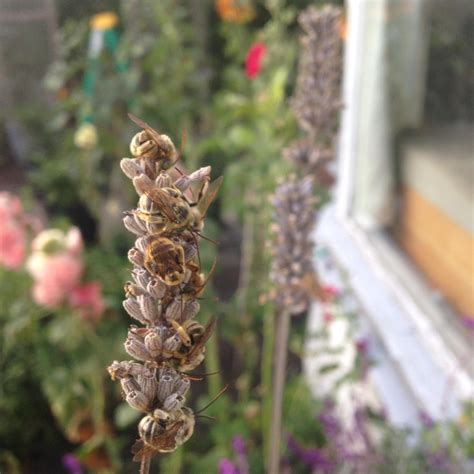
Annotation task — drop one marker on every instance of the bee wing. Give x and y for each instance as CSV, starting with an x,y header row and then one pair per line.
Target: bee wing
x,y
140,450
168,441
160,197
209,196
208,330
152,132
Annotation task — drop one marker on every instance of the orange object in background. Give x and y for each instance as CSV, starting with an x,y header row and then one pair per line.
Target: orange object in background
x,y
441,248
235,11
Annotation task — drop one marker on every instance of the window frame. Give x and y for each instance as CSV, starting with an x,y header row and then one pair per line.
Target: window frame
x,y
414,356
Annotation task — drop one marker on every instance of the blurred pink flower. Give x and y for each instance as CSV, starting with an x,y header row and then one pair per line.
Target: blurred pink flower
x,y
253,60
56,276
88,299
10,206
12,244
331,292
12,232
74,241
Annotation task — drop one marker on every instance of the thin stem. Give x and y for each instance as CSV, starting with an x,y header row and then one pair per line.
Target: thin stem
x,y
280,357
266,371
214,382
145,465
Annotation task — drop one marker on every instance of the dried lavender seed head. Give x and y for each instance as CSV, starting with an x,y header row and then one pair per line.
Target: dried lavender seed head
x,y
316,101
173,402
306,156
135,257
156,288
164,211
119,370
148,384
132,307
172,343
154,342
135,346
165,386
138,401
141,277
182,385
132,226
131,167
292,268
129,384
149,308
163,180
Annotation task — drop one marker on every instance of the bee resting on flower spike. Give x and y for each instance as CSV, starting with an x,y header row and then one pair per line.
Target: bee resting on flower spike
x,y
162,296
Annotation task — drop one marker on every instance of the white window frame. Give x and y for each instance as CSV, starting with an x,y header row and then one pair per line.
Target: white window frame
x,y
416,369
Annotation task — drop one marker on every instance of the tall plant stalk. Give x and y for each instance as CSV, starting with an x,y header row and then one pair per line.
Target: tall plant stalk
x,y
279,372
163,296
316,104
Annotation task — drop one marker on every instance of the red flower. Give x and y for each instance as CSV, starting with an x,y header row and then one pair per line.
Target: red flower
x,y
88,299
253,61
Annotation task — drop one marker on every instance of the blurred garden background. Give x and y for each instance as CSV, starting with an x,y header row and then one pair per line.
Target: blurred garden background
x,y
380,373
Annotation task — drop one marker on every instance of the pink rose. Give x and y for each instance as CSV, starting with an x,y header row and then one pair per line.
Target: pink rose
x,y
88,300
12,244
253,61
56,276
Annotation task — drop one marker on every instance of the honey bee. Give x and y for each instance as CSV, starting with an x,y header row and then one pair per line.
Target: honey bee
x,y
163,432
189,332
196,282
156,149
194,354
165,260
169,208
132,290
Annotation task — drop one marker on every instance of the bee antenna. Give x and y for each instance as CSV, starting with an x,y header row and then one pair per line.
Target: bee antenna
x,y
215,242
213,400
182,142
197,378
207,374
213,418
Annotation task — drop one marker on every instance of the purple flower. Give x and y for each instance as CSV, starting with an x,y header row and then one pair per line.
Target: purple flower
x,y
331,426
426,419
226,466
311,457
240,451
71,464
439,460
238,444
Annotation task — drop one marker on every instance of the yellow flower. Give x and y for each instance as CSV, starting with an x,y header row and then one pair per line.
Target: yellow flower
x,y
86,136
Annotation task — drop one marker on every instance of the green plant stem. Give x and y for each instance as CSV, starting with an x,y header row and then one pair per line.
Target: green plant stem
x,y
245,279
279,366
266,371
